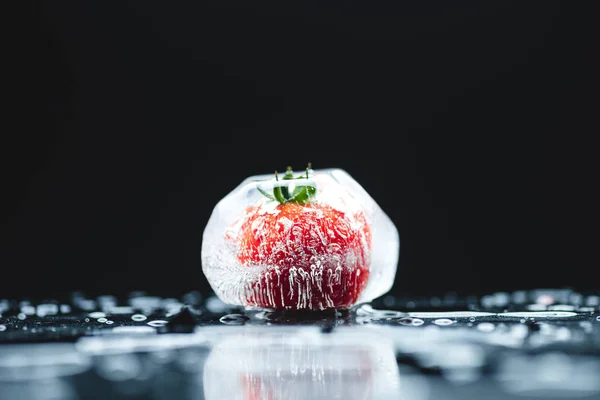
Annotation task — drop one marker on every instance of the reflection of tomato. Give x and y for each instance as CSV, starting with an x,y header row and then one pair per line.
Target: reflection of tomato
x,y
320,380
254,390
315,256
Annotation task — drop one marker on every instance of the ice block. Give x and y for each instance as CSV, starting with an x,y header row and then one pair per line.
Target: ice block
x,y
303,240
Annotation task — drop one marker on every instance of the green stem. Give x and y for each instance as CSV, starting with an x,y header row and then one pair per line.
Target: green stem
x,y
301,192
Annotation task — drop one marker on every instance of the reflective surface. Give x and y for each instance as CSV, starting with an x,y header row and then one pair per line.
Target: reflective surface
x,y
523,345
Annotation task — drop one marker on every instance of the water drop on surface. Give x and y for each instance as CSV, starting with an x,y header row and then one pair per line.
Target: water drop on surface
x,y
28,309
139,317
97,314
102,320
233,319
158,322
443,322
2,328
109,322
409,321
598,318
472,319
21,316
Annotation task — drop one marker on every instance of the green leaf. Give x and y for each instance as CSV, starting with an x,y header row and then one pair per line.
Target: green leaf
x,y
303,194
278,195
264,193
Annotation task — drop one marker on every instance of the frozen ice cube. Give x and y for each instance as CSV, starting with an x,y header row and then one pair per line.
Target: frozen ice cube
x,y
305,240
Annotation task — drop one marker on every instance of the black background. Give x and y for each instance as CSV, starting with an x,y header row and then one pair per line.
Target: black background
x,y
471,124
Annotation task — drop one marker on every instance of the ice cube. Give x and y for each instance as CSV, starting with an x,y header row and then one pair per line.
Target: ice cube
x,y
312,240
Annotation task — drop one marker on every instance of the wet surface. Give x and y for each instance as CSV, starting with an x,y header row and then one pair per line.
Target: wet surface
x,y
521,345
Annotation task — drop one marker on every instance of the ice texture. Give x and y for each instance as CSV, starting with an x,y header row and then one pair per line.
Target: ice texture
x,y
338,250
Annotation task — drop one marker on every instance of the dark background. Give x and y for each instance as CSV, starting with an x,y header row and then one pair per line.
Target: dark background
x,y
471,124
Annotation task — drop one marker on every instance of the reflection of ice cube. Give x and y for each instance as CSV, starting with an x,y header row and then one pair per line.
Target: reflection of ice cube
x,y
305,265
304,364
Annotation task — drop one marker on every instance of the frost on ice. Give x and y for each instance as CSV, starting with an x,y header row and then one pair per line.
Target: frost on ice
x,y
334,250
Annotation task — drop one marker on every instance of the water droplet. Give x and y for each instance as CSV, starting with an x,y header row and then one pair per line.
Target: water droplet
x,y
145,302
233,319
119,310
522,320
109,322
158,322
139,317
472,319
102,320
2,328
28,309
86,304
65,308
443,322
21,316
87,320
366,313
598,318
46,309
97,314
409,321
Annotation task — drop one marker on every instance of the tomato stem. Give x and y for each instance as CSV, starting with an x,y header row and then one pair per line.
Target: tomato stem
x,y
298,191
